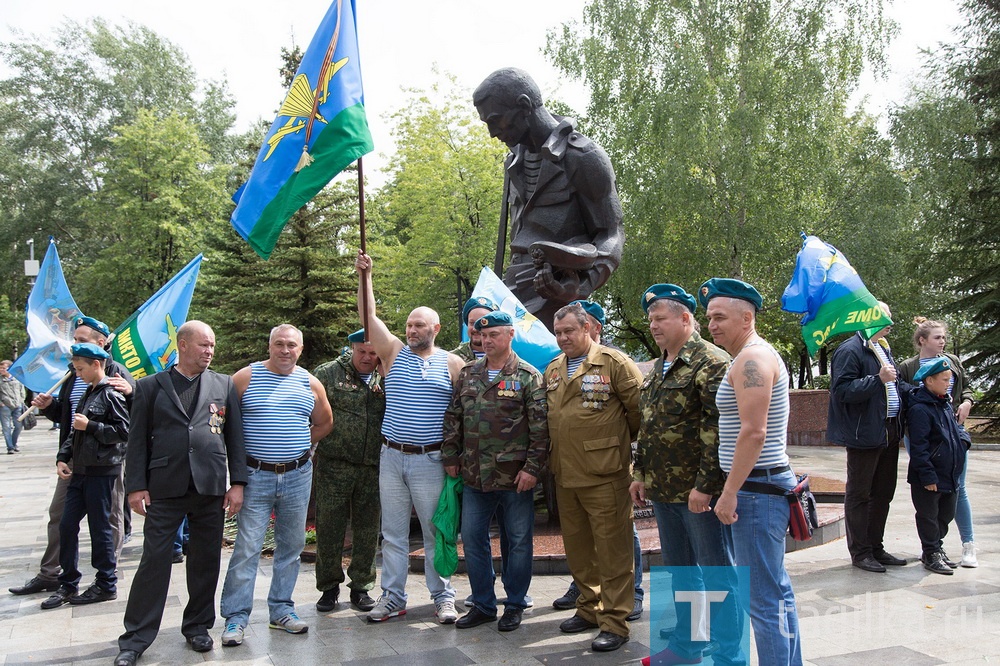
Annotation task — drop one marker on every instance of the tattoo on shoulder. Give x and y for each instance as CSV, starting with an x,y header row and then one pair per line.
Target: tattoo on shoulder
x,y
751,375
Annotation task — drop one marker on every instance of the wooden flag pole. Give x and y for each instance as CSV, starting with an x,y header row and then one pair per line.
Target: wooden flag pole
x,y
364,241
59,383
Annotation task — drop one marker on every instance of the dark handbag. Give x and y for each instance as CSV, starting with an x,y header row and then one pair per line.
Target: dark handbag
x,y
802,515
30,421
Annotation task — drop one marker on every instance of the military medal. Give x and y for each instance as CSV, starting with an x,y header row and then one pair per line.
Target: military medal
x,y
217,418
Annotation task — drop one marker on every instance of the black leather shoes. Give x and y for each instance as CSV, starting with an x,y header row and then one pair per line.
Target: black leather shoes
x,y
474,618
947,560
126,658
575,625
328,600
200,643
93,595
636,611
58,598
511,619
869,564
362,600
568,600
34,586
935,563
608,642
889,560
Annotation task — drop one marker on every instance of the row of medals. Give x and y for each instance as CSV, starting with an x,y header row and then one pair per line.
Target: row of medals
x,y
596,391
507,389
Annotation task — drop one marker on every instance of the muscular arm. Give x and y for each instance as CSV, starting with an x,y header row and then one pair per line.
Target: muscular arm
x,y
322,414
386,345
241,380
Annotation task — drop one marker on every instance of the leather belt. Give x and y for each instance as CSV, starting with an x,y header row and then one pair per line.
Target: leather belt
x,y
278,468
765,472
413,448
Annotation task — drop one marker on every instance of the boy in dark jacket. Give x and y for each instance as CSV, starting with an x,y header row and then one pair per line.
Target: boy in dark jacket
x,y
96,447
937,456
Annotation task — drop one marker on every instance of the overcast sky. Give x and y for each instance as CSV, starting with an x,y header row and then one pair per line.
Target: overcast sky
x,y
401,41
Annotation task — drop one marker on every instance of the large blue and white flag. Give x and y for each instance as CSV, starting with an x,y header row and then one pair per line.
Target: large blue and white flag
x,y
532,341
49,317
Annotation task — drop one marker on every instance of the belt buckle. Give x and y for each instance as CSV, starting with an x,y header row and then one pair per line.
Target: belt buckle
x,y
279,468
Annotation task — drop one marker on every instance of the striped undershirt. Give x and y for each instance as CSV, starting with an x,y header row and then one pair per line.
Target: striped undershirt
x,y
276,411
773,454
891,392
79,387
573,364
417,391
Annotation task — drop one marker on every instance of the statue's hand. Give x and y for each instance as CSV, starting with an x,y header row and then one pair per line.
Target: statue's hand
x,y
565,289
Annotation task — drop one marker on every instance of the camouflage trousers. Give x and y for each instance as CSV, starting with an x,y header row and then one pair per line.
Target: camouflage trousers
x,y
346,493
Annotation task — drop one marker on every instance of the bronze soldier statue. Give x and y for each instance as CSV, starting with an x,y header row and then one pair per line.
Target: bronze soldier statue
x,y
566,233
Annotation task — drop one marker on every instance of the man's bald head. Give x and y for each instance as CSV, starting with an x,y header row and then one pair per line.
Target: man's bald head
x,y
190,328
422,327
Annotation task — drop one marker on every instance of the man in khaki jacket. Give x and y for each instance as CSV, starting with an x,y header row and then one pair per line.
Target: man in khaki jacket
x,y
593,398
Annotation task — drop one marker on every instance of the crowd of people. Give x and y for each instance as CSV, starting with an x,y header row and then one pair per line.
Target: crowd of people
x,y
387,422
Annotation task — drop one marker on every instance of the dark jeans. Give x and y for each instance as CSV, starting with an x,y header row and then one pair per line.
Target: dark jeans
x,y
88,496
934,511
871,484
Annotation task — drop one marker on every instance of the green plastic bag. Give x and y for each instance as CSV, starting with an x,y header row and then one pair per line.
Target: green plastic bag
x,y
447,519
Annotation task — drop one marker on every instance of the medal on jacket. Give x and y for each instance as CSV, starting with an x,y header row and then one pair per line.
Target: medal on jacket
x,y
595,391
217,419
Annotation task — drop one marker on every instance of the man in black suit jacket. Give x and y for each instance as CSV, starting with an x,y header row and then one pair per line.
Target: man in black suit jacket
x,y
186,432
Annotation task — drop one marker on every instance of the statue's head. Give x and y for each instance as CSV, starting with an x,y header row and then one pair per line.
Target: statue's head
x,y
506,100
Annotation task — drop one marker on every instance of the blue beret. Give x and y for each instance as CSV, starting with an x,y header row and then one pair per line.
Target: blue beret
x,y
89,350
494,319
731,288
940,364
672,292
357,336
98,326
593,309
478,302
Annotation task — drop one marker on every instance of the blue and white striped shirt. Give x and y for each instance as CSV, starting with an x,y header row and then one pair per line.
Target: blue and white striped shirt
x,y
417,391
774,453
891,392
79,388
573,364
276,413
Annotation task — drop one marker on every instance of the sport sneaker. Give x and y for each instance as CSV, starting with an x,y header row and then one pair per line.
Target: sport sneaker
x,y
446,613
385,608
947,560
969,555
233,635
290,623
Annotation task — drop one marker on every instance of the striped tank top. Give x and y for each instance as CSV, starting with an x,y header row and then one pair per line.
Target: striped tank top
x,y
773,453
276,411
417,391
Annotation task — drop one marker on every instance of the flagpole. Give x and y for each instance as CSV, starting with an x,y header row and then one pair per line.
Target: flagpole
x,y
364,240
59,383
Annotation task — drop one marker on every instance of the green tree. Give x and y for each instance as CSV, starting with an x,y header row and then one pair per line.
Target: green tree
x,y
435,221
729,128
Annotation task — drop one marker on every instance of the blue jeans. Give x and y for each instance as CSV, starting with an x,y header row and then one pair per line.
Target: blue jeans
x,y
963,511
409,481
688,541
518,519
88,496
759,537
11,426
287,496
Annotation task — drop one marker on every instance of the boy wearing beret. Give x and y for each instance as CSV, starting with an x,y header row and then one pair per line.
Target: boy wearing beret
x,y
937,456
96,447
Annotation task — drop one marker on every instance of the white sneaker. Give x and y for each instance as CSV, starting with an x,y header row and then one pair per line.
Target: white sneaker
x,y
385,608
446,613
233,635
969,555
290,623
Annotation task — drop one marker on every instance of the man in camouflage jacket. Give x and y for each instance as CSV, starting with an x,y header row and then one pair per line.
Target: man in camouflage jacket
x,y
474,308
677,463
496,436
346,474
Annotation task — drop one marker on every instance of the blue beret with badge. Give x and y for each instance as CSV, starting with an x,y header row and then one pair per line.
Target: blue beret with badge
x,y
940,364
731,288
672,292
89,350
478,302
356,336
593,309
493,320
98,326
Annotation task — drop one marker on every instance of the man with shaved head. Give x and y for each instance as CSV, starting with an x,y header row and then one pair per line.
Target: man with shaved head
x,y
186,432
419,380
